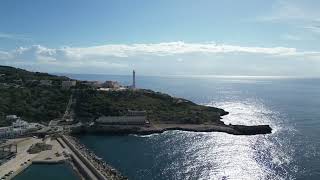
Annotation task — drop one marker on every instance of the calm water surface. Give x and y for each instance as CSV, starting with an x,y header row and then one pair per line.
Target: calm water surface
x,y
48,172
292,151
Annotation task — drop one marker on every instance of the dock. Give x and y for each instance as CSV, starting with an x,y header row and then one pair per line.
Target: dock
x,y
79,162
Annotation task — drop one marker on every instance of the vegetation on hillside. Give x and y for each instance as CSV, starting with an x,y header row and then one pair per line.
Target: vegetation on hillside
x,y
21,94
160,107
12,74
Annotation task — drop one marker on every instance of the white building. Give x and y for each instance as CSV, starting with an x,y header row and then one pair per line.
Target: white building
x,y
95,84
111,84
20,124
18,128
11,117
131,118
122,120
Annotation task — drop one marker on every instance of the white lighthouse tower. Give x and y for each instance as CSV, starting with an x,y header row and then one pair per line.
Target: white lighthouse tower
x,y
133,79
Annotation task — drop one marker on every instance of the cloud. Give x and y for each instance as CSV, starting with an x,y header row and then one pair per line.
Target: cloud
x,y
291,37
300,14
314,28
167,57
121,51
4,55
14,36
180,60
292,10
159,49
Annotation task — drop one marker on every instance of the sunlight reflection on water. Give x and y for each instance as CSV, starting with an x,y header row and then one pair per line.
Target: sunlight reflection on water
x,y
288,105
224,156
213,155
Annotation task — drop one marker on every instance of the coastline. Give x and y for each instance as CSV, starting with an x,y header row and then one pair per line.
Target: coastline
x,y
162,127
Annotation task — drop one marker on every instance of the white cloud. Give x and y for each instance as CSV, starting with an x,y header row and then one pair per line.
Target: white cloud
x,y
14,36
169,57
159,49
291,37
293,10
4,55
313,28
301,14
180,60
122,51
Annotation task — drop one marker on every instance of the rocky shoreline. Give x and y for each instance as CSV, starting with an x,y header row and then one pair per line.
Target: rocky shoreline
x,y
160,128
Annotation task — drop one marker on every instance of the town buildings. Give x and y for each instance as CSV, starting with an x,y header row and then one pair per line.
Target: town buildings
x,y
18,128
111,84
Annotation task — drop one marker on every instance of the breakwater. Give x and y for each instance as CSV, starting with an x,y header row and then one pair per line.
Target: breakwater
x,y
87,162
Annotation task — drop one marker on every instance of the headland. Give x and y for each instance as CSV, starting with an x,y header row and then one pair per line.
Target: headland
x,y
45,109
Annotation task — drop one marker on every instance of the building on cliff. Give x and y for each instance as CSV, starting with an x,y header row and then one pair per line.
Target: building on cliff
x,y
131,118
111,84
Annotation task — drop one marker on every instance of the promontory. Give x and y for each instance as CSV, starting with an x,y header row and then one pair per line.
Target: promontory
x,y
104,107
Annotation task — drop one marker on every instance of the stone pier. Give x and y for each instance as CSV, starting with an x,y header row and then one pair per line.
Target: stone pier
x,y
86,163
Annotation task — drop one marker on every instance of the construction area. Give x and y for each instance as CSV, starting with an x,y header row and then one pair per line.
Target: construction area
x,y
18,154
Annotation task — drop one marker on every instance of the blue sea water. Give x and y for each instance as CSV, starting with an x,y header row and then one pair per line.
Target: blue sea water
x,y
291,106
47,172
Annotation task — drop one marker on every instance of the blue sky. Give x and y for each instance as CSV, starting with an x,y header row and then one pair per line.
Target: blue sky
x,y
167,37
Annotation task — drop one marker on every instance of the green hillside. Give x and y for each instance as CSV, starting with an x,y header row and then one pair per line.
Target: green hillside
x,y
22,94
160,107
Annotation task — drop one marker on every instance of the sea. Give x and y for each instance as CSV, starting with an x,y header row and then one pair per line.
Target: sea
x,y
48,172
291,106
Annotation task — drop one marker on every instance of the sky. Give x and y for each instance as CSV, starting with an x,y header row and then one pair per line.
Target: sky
x,y
163,37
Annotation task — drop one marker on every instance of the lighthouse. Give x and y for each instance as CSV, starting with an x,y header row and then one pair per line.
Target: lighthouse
x,y
133,79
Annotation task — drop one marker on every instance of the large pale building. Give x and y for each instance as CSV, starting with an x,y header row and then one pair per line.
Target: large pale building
x,y
122,120
111,84
131,118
